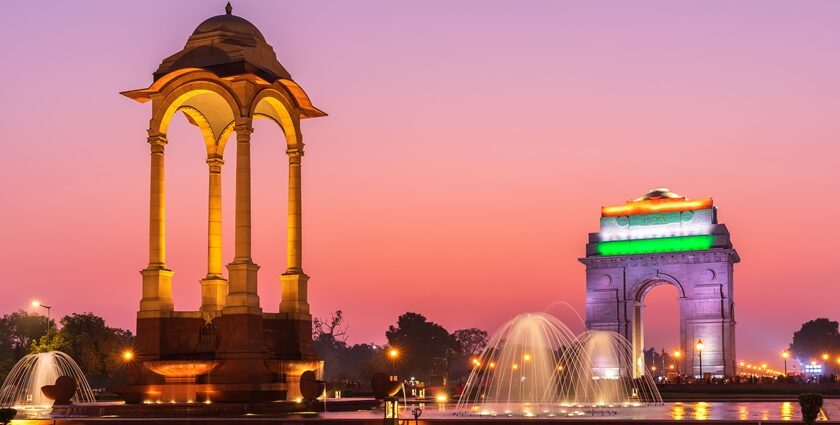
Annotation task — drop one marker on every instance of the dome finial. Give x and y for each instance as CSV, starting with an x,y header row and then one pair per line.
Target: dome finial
x,y
228,9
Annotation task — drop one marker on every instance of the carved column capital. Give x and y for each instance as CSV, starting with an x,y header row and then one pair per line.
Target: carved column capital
x,y
157,141
295,155
243,128
215,163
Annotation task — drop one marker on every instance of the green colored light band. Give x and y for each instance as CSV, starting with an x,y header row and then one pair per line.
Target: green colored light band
x,y
644,246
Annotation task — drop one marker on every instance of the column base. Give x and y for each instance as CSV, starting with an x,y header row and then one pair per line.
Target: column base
x,y
242,297
157,290
293,293
214,289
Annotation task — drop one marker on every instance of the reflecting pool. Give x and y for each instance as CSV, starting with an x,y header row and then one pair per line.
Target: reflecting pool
x,y
687,411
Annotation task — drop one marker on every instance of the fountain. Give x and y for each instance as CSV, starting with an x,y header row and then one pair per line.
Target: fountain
x,y
22,388
534,365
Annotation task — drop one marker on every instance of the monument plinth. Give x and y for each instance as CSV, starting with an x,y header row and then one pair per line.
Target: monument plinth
x,y
225,77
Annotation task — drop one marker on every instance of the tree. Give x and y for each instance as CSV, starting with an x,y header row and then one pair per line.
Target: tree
x,y
17,332
95,346
328,341
332,330
52,341
419,342
814,338
468,344
360,362
471,341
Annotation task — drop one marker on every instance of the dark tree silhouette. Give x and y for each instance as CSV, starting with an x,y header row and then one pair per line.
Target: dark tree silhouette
x,y
471,341
419,342
815,338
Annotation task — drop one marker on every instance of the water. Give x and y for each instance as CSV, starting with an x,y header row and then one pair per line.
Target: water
x,y
534,365
679,411
22,388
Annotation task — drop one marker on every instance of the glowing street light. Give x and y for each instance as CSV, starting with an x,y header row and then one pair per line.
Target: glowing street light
x,y
476,362
677,355
526,357
393,354
37,304
699,347
785,355
127,355
825,356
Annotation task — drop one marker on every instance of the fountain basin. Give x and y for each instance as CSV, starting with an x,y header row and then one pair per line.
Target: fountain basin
x,y
182,370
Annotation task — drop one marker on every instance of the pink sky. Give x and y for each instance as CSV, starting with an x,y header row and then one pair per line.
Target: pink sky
x,y
468,149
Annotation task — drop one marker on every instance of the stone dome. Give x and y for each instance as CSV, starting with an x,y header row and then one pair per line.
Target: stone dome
x,y
229,23
227,45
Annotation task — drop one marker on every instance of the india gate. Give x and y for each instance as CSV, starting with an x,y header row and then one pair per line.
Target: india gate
x,y
231,349
665,239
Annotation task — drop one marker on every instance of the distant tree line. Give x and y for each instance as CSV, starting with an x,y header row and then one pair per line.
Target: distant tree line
x,y
423,347
95,346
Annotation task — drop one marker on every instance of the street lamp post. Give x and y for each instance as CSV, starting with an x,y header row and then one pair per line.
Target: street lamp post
x,y
393,354
699,347
785,355
37,304
677,355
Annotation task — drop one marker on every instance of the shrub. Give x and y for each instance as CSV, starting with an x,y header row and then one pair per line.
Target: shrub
x,y
7,414
811,404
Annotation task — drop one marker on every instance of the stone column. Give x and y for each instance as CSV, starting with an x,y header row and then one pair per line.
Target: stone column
x,y
242,297
294,282
214,287
157,279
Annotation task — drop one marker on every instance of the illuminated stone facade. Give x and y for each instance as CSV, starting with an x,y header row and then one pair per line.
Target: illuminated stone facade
x,y
230,349
663,238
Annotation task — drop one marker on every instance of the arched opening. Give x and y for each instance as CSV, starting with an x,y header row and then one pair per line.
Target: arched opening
x,y
661,328
656,327
269,198
212,114
186,212
206,107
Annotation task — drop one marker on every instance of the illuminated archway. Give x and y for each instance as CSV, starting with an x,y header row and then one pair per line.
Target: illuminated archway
x,y
663,238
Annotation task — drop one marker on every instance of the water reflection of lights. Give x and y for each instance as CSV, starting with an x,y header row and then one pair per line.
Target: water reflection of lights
x,y
786,411
678,411
743,413
701,411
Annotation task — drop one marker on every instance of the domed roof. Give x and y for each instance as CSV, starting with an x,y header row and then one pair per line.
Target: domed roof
x,y
227,45
230,23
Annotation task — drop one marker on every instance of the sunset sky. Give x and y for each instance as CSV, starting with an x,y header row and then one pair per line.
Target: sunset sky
x,y
468,149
